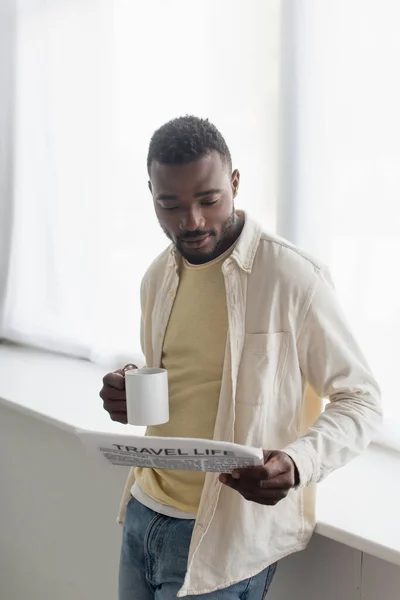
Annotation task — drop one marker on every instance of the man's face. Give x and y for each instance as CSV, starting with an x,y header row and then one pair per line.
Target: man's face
x,y
194,204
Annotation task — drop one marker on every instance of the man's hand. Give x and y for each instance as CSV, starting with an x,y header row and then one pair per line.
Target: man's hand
x,y
113,394
267,484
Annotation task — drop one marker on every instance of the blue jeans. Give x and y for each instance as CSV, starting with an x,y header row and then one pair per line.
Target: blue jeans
x,y
154,557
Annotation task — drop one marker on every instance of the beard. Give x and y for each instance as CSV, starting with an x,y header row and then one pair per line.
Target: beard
x,y
221,242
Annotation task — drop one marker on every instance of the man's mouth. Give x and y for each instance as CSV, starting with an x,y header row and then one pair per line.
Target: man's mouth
x,y
197,242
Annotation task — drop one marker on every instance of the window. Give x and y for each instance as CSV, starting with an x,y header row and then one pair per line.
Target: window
x,y
94,79
345,159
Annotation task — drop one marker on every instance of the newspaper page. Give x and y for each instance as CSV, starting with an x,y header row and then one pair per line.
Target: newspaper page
x,y
186,454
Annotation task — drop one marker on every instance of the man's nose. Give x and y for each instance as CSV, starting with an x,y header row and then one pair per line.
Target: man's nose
x,y
192,220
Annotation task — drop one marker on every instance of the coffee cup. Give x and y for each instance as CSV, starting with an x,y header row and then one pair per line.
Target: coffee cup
x,y
147,400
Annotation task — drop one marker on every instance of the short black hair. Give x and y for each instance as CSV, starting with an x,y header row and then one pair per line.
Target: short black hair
x,y
185,140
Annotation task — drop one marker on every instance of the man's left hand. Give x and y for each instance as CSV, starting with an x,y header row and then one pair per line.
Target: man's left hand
x,y
267,484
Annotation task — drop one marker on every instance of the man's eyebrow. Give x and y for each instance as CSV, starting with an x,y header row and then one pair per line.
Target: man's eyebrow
x,y
174,198
164,197
208,193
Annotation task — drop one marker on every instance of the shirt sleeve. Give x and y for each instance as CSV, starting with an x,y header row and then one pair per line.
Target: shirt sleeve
x,y
333,364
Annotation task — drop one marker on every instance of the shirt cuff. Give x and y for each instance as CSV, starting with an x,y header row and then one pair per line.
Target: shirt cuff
x,y
305,460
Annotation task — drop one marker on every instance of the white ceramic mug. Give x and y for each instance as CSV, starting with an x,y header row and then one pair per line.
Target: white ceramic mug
x,y
147,401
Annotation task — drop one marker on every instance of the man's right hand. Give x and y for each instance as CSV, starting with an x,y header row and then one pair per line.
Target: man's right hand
x,y
113,394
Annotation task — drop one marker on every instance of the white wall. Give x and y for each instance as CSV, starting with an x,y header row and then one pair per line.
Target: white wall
x,y
59,539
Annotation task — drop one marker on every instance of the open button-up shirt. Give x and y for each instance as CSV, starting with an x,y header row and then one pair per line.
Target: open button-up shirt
x,y
288,346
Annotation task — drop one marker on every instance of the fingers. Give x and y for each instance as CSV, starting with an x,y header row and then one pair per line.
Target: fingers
x,y
115,406
284,482
268,497
265,484
114,380
119,417
281,481
251,473
116,409
117,378
110,393
113,394
276,464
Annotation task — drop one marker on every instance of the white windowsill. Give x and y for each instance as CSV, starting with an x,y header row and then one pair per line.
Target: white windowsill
x,y
357,505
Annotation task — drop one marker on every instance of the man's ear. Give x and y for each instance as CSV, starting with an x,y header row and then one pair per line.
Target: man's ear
x,y
149,186
235,182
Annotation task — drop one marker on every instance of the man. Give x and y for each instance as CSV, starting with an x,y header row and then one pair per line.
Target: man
x,y
251,334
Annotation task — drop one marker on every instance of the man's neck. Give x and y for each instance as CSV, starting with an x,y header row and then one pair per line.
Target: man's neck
x,y
234,233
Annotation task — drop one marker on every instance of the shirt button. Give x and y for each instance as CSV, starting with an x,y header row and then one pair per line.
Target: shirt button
x,y
159,335
172,293
246,266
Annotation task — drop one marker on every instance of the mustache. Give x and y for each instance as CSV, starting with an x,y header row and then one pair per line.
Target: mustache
x,y
193,235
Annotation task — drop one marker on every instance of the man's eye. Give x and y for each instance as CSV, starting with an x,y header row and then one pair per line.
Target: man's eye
x,y
209,202
169,207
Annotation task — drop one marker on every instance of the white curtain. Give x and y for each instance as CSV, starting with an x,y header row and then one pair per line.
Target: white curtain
x,y
94,79
7,71
344,158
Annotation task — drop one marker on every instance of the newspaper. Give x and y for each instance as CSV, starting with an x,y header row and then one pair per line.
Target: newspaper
x,y
186,454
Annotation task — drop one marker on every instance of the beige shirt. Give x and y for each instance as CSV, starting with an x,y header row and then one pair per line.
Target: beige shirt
x,y
285,329
193,354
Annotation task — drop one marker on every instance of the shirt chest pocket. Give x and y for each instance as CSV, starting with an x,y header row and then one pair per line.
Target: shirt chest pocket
x,y
262,367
